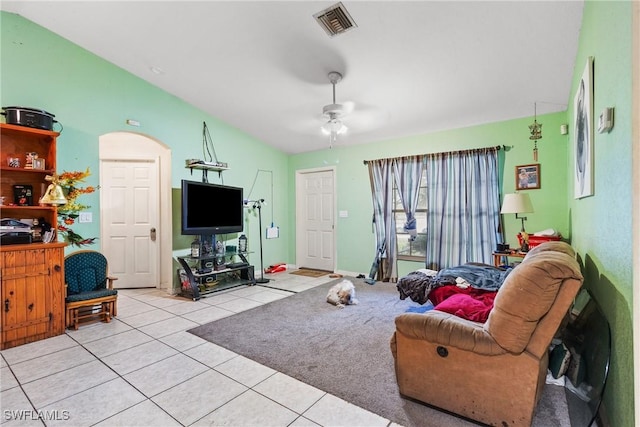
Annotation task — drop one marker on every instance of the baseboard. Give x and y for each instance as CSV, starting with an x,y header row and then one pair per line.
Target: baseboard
x,y
347,273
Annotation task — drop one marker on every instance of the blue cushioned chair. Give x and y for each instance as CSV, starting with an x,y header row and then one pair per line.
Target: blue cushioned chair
x,y
90,292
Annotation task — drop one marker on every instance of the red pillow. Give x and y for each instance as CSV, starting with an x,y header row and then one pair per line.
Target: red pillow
x,y
441,293
467,307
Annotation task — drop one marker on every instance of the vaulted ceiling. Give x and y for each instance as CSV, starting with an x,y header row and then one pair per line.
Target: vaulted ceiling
x,y
408,68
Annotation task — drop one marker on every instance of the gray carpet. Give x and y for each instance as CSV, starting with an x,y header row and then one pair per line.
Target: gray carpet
x,y
344,351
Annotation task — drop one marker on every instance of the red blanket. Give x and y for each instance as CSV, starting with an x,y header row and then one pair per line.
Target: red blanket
x,y
469,303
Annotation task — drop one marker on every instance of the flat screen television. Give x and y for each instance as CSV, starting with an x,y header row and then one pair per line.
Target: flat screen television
x,y
211,208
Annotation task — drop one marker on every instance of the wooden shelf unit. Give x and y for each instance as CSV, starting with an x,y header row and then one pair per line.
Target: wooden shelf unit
x,y
31,275
16,142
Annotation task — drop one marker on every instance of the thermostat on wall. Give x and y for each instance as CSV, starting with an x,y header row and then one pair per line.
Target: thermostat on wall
x,y
605,122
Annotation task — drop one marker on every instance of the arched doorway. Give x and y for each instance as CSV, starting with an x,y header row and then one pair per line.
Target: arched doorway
x,y
135,209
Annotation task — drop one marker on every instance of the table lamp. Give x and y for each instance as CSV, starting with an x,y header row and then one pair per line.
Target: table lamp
x,y
518,203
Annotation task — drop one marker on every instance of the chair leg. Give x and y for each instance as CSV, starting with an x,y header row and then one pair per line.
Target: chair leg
x,y
111,306
106,311
74,317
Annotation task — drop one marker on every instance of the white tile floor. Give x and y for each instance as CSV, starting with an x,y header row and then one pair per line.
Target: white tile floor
x,y
144,369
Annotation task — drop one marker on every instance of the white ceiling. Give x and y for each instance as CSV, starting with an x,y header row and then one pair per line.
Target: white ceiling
x,y
410,68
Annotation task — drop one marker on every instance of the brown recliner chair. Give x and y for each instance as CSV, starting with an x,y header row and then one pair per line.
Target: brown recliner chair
x,y
493,372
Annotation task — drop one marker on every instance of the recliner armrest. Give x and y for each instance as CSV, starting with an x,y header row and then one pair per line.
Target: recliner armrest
x,y
445,329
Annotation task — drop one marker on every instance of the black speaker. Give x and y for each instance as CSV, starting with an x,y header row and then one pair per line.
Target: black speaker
x,y
204,280
207,264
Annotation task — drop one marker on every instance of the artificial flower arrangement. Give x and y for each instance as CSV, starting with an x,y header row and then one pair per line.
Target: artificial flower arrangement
x,y
69,212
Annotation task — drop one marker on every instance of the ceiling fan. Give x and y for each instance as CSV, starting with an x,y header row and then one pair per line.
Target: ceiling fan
x,y
335,112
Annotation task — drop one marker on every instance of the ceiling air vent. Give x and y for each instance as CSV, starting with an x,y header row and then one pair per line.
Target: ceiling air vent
x,y
335,20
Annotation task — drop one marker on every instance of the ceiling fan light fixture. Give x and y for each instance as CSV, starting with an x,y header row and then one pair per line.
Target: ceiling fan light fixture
x,y
332,110
334,126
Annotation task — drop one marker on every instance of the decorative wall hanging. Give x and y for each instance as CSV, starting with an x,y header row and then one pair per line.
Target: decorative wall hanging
x,y
536,132
583,134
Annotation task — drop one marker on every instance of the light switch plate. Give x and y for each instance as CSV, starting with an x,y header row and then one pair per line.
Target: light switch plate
x,y
85,217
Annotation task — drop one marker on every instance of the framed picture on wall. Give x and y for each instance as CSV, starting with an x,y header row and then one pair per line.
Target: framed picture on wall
x,y
528,177
583,134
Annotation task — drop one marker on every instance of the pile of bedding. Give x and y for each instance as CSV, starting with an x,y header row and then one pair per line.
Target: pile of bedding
x,y
466,291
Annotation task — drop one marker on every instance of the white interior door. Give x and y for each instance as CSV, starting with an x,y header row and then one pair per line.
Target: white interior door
x,y
315,219
130,206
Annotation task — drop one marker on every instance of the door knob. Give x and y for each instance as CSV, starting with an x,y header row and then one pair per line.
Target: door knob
x,y
152,234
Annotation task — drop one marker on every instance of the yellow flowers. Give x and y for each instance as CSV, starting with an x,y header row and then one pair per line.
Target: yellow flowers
x,y
72,178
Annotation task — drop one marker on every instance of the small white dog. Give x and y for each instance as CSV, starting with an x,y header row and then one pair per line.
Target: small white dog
x,y
342,293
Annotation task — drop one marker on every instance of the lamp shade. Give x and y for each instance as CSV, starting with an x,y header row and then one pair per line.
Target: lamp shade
x,y
516,203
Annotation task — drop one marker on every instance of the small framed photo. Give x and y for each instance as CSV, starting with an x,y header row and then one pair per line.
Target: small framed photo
x,y
23,194
528,177
38,164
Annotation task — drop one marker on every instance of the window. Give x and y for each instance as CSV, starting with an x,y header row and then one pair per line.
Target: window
x,y
415,250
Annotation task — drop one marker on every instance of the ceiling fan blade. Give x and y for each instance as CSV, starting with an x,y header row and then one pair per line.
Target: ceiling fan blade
x,y
339,109
348,107
365,119
311,126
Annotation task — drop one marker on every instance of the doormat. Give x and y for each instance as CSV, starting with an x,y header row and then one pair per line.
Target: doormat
x,y
309,272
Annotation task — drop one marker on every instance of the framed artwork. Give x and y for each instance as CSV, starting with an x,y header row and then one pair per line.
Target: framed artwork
x,y
23,194
583,134
38,164
528,177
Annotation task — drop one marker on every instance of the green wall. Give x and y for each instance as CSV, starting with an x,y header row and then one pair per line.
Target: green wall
x,y
601,225
91,97
355,238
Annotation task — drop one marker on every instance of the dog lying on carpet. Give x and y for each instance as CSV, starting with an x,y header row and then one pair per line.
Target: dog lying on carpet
x,y
342,293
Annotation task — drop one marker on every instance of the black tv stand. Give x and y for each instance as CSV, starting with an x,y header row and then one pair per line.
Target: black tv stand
x,y
237,264
196,285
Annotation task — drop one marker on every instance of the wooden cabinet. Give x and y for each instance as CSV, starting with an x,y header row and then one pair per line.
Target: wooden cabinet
x,y
31,275
32,289
17,141
498,257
